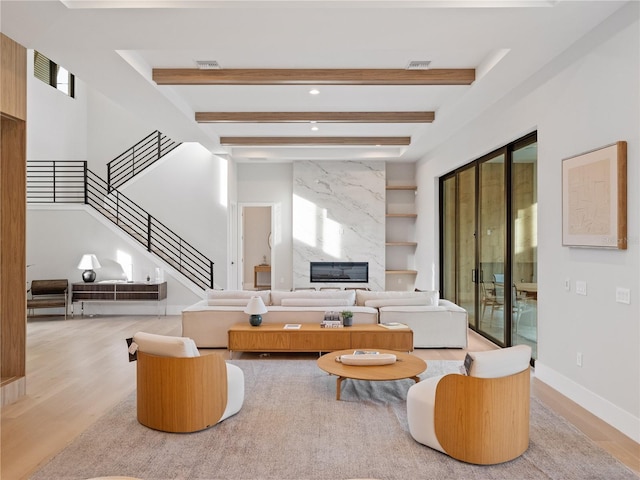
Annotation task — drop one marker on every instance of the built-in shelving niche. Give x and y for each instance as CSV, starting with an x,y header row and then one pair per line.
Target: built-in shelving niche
x,y
400,272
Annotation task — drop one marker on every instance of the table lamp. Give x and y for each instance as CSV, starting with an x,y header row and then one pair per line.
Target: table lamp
x,y
88,262
255,308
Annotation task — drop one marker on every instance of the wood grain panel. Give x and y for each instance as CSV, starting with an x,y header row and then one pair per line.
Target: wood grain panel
x,y
319,117
245,76
483,420
13,78
313,338
622,195
400,340
13,299
181,394
276,141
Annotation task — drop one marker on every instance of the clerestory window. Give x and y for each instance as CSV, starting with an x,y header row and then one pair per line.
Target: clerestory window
x,y
53,74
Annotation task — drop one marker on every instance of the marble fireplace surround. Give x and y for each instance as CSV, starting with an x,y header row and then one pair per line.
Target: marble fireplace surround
x,y
339,216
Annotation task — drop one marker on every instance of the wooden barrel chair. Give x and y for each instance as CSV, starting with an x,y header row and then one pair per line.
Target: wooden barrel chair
x,y
481,417
180,390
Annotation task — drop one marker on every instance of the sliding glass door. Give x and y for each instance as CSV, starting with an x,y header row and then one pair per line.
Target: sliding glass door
x,y
524,264
488,260
492,224
458,242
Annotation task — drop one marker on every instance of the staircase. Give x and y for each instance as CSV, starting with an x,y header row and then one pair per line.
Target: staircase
x,y
72,182
139,157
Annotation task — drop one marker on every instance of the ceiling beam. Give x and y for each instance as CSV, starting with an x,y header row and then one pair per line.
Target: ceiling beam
x,y
276,76
320,117
284,141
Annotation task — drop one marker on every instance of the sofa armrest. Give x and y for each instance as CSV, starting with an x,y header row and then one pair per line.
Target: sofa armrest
x,y
450,306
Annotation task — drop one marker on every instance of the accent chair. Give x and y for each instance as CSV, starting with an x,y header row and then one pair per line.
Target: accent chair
x,y
180,390
481,417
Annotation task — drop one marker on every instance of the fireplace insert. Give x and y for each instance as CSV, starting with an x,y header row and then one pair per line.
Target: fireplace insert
x,y
335,272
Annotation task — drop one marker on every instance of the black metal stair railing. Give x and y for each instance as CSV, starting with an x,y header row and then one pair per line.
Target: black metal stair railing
x,y
72,182
137,158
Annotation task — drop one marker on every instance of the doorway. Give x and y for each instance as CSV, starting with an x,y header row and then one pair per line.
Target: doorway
x,y
257,255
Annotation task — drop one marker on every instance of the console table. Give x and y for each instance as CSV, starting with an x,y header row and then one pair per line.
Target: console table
x,y
261,269
117,292
313,338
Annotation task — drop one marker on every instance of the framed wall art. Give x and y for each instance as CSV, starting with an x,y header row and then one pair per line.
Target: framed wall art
x,y
594,198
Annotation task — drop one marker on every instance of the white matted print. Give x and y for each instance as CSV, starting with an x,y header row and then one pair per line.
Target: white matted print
x,y
594,198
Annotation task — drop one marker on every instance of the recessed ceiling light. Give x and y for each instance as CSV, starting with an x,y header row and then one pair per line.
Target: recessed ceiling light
x,y
419,65
208,65
314,128
314,91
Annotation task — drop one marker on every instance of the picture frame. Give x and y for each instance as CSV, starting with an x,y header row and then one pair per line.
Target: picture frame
x,y
594,198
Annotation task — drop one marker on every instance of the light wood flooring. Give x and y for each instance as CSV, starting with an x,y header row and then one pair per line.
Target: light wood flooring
x,y
78,369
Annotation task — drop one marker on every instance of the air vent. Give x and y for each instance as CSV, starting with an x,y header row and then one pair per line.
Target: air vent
x,y
208,65
419,65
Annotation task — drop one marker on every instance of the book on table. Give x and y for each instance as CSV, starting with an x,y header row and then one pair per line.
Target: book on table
x,y
393,325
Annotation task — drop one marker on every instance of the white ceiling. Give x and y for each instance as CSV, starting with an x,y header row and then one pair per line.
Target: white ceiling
x,y
113,49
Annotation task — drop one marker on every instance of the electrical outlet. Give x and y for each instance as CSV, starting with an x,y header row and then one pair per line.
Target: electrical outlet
x,y
623,295
579,359
581,287
567,284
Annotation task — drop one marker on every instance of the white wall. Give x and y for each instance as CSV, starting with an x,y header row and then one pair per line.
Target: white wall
x,y
57,123
186,190
58,236
112,130
586,99
272,183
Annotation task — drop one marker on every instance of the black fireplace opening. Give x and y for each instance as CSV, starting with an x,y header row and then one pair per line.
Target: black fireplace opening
x,y
336,272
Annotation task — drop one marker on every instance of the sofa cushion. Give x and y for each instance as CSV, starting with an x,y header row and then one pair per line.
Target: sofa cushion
x,y
235,295
228,302
500,363
165,346
278,296
315,302
390,302
428,298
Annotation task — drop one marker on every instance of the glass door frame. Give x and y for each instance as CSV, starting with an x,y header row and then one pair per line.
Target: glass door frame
x,y
509,232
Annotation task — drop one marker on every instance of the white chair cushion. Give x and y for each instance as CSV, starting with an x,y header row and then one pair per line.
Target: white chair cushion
x,y
166,346
500,363
235,391
421,401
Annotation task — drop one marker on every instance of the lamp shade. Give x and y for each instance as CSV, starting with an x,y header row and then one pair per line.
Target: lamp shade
x,y
88,262
255,306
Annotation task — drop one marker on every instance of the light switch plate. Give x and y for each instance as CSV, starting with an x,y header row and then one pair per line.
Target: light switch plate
x,y
623,295
581,287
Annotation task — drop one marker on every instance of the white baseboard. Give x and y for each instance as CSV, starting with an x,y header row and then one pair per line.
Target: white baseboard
x,y
602,408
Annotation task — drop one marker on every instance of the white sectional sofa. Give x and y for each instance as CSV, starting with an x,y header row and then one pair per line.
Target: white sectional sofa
x,y
208,321
435,323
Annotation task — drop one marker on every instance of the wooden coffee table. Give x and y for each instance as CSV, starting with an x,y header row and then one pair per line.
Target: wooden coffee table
x,y
406,366
312,338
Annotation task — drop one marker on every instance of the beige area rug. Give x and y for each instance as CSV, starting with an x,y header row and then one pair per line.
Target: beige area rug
x,y
292,428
